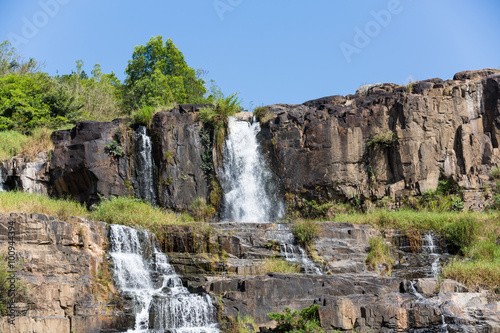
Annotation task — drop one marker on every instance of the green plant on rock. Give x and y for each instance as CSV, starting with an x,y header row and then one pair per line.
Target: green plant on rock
x,y
218,115
200,210
495,173
382,139
306,231
278,266
114,149
379,253
262,114
304,321
311,209
462,232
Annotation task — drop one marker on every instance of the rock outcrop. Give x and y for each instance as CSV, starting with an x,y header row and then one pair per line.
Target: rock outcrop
x,y
390,140
65,270
178,151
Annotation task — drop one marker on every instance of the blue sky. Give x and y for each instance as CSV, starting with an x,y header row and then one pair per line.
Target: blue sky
x,y
271,51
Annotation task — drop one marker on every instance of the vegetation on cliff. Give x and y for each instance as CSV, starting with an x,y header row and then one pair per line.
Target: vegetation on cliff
x,y
303,321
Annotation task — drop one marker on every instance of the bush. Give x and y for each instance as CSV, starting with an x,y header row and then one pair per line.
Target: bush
x,y
311,209
262,114
305,320
218,116
495,173
379,253
305,231
200,210
11,143
382,139
462,233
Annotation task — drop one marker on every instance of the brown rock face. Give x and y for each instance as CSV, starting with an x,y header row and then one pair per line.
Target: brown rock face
x,y
60,263
390,140
84,165
178,152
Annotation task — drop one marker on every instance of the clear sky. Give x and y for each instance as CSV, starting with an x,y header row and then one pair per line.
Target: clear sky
x,y
271,51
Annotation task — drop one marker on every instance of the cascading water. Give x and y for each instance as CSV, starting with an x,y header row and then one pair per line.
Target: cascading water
x,y
2,179
429,247
161,302
249,186
292,251
144,165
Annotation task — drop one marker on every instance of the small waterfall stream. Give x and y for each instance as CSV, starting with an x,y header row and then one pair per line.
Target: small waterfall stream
x,y
144,165
250,188
291,251
162,303
429,247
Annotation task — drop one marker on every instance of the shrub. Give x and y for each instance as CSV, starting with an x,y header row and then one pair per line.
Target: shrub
x,y
200,210
382,139
144,115
379,253
305,231
461,233
305,320
39,141
114,149
495,173
218,115
483,250
262,114
312,209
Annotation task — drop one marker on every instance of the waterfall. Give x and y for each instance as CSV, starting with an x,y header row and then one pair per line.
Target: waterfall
x,y
161,302
429,247
2,179
249,186
292,251
422,299
144,165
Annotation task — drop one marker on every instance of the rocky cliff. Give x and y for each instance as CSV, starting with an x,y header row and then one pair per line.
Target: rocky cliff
x,y
386,140
389,140
65,271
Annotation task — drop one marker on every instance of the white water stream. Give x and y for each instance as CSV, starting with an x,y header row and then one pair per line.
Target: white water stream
x,y
161,302
143,160
250,188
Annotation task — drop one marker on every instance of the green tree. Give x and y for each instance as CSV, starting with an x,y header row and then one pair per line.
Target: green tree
x,y
11,62
159,75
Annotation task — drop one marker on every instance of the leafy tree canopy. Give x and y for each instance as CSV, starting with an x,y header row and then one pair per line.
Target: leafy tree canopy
x,y
159,75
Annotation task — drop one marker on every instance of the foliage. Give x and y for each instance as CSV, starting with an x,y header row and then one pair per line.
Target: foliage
x,y
20,202
462,232
11,143
305,320
114,149
278,266
311,209
382,139
262,114
199,209
379,253
246,324
215,196
495,173
92,98
11,62
144,115
39,141
157,74
218,115
305,231
475,274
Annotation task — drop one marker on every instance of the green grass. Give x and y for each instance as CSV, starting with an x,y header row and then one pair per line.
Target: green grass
x,y
379,253
136,213
305,231
475,274
278,266
20,202
11,143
